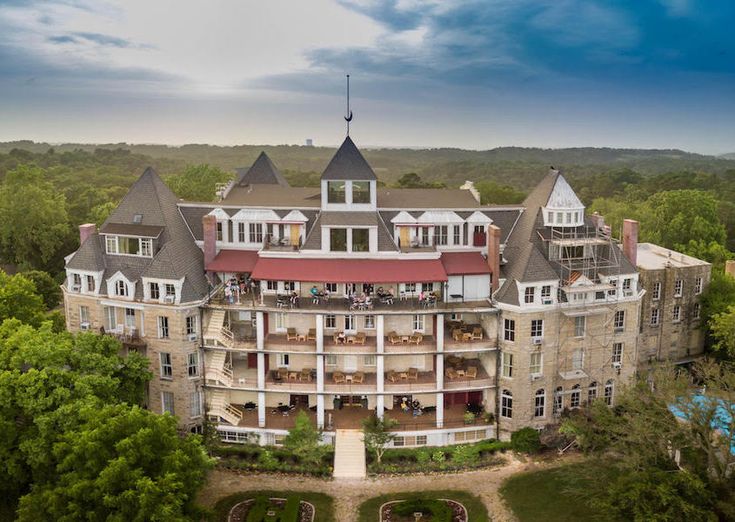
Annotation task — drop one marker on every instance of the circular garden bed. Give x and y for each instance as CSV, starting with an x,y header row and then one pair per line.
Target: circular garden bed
x,y
423,510
267,509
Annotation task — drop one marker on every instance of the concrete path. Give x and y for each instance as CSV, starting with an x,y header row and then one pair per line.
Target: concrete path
x,y
349,455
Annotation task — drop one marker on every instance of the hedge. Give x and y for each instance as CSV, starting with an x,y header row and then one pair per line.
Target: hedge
x,y
444,458
251,457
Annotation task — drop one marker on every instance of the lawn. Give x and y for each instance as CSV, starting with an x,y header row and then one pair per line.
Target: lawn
x,y
542,496
476,510
324,504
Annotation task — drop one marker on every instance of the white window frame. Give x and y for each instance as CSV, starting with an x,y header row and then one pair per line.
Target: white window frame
x,y
617,353
656,292
578,359
592,392
698,286
539,403
506,365
676,313
509,330
580,326
330,359
164,409
167,366
121,288
558,404
537,328
536,367
575,398
350,323
696,311
609,393
619,320
529,295
283,360
678,288
195,405
192,364
164,331
330,321
84,314
419,323
655,316
281,321
370,360
506,404
369,322
192,323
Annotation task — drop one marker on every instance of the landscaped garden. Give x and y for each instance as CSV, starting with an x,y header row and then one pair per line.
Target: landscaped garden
x,y
433,506
251,457
274,506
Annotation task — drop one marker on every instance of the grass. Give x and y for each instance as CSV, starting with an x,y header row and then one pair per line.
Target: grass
x,y
543,496
476,510
324,504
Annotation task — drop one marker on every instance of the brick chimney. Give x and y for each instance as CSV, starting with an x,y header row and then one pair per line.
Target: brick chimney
x,y
85,231
630,240
493,256
598,221
730,267
209,226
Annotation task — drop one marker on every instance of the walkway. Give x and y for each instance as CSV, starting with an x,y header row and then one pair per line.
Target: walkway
x,y
349,455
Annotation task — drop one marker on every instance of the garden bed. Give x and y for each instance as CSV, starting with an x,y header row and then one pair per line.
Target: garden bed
x,y
274,506
435,506
252,457
439,459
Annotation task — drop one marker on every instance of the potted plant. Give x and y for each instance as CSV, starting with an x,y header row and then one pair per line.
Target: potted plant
x,y
469,417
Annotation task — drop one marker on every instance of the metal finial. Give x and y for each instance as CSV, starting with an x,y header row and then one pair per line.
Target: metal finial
x,y
348,118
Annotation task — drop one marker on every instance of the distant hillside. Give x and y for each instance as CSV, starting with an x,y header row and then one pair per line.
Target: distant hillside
x,y
516,166
729,156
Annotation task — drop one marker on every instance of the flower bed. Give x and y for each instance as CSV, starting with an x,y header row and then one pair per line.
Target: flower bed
x,y
272,509
436,510
445,458
251,457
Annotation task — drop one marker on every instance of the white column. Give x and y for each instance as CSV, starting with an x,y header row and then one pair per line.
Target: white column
x,y
439,370
319,370
261,409
260,345
380,367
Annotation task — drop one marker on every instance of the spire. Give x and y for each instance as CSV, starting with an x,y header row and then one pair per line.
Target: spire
x,y
348,118
348,163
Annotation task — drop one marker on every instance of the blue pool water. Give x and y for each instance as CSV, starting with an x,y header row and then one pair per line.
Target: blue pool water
x,y
721,420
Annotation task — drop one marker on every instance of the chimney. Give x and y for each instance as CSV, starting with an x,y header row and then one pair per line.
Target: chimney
x,y
209,226
493,256
630,240
85,231
598,221
730,267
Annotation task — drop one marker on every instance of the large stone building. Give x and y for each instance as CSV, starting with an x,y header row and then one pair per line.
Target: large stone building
x,y
351,299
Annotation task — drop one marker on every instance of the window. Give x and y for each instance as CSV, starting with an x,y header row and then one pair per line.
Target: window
x,y
626,284
418,323
167,402
167,369
330,360
410,287
676,313
550,217
241,232
695,311
410,440
698,286
111,316
360,192
457,234
575,397
440,235
369,322
506,404
507,364
529,295
130,317
281,323
656,293
546,292
84,314
191,325
289,286
146,247
569,217
539,407
111,244
170,290
619,320
609,392
219,231
271,285
336,192
560,217
578,359
338,240
360,240
617,353
282,360
614,290
163,327
76,282
558,400
331,287
427,287
537,328
153,287
678,288
256,232
369,360
466,436
580,324
330,321
90,283
192,364
536,362
591,392
655,315
349,322
195,404
509,330
121,288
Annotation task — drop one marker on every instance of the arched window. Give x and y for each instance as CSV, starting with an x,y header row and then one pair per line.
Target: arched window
x,y
121,288
558,400
575,398
592,392
506,404
539,409
609,390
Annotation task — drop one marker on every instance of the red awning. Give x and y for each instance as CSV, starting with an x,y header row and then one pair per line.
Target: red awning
x,y
233,261
349,270
464,263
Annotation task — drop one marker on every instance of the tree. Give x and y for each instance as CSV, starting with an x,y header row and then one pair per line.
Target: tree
x,y
99,213
46,287
526,440
723,331
492,193
304,441
120,463
198,182
413,180
377,434
717,298
33,218
18,299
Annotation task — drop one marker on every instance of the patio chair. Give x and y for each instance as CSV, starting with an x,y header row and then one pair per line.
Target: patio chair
x,y
358,378
311,336
416,338
451,373
394,338
391,376
282,374
291,334
305,375
360,338
338,377
471,372
457,334
413,374
477,333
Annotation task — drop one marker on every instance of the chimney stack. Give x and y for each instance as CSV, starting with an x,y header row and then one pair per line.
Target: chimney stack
x,y
85,231
493,256
209,226
630,240
598,221
730,267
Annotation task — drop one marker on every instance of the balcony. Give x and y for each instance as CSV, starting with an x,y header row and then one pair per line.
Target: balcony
x,y
288,379
283,244
409,380
460,337
350,382
463,374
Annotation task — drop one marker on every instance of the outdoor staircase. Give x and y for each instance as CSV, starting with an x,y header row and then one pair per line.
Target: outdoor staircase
x,y
349,455
216,333
216,368
220,407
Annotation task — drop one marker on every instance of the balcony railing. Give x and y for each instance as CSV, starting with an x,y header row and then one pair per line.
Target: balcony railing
x,y
280,243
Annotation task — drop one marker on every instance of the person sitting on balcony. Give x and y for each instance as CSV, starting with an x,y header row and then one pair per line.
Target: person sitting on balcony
x,y
341,338
325,294
228,294
314,294
422,297
404,404
294,299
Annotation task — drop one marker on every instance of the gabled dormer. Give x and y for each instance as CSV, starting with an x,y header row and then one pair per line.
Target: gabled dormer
x,y
563,208
348,183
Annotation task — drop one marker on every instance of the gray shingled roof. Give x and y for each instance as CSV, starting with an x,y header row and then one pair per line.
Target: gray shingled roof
x,y
428,198
508,293
89,256
348,163
349,219
314,235
262,172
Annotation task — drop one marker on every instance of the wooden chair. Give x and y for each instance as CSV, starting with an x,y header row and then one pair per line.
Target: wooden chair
x,y
305,375
394,338
451,373
360,338
413,374
416,338
282,373
358,378
291,334
311,336
457,334
471,372
477,333
391,376
338,377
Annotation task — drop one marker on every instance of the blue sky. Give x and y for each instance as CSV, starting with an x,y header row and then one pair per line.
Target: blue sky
x,y
470,74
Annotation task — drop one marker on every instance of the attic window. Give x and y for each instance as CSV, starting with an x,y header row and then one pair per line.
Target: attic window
x,y
138,219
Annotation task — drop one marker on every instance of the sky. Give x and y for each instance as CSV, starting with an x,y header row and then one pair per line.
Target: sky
x,y
444,73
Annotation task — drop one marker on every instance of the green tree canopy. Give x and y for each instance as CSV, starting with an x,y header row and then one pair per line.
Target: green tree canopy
x,y
377,434
46,287
304,440
492,193
198,182
19,299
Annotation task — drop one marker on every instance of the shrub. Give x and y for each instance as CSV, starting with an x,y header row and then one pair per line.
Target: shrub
x,y
439,510
525,440
290,511
423,456
465,454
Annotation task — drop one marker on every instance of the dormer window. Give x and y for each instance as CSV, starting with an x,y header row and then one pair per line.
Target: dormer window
x,y
111,242
361,192
121,289
360,240
131,246
336,192
338,240
170,290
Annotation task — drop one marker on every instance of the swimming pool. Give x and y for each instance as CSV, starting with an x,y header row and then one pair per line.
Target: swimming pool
x,y
721,420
